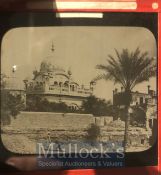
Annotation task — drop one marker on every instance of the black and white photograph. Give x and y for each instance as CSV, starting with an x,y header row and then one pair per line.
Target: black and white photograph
x,y
79,84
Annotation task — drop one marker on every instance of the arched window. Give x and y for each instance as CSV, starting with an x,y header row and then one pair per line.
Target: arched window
x,y
55,83
74,107
60,83
66,84
31,84
73,88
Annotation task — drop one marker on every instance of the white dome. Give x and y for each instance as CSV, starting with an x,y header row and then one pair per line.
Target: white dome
x,y
46,66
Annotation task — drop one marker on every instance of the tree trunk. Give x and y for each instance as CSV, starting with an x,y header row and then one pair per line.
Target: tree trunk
x,y
127,119
127,123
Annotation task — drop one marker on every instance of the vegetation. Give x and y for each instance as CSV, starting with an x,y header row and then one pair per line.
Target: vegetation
x,y
3,82
10,106
128,69
97,107
91,105
138,117
36,103
42,105
93,133
11,103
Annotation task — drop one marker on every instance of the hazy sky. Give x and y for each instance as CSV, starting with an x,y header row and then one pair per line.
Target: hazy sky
x,y
77,48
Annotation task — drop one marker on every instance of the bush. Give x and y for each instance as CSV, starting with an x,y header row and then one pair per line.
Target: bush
x,y
10,106
93,133
37,104
97,107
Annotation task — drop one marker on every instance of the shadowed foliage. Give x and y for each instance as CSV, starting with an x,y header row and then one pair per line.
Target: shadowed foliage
x,y
92,105
37,104
11,105
93,133
97,107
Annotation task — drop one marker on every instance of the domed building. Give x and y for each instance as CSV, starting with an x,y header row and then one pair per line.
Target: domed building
x,y
56,85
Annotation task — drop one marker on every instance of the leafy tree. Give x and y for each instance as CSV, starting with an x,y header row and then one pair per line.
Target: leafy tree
x,y
96,106
33,103
10,106
128,69
138,116
11,103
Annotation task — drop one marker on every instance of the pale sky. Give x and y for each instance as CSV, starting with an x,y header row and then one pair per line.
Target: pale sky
x,y
77,48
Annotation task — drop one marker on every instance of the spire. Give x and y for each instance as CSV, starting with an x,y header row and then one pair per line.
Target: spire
x,y
52,47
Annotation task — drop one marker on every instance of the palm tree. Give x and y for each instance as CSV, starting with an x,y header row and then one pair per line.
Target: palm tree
x,y
128,69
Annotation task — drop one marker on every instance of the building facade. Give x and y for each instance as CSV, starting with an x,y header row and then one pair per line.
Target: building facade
x,y
147,102
57,85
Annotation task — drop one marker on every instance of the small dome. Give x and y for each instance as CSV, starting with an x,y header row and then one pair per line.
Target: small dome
x,y
93,82
69,72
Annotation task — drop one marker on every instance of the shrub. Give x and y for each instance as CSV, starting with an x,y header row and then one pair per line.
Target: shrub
x,y
10,106
97,107
93,133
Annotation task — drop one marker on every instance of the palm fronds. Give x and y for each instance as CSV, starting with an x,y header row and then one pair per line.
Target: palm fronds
x,y
128,69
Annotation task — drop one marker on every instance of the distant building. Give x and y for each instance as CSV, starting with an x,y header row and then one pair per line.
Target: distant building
x,y
146,100
12,85
56,85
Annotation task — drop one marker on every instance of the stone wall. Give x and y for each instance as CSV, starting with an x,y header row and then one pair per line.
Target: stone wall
x,y
55,121
103,120
30,127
